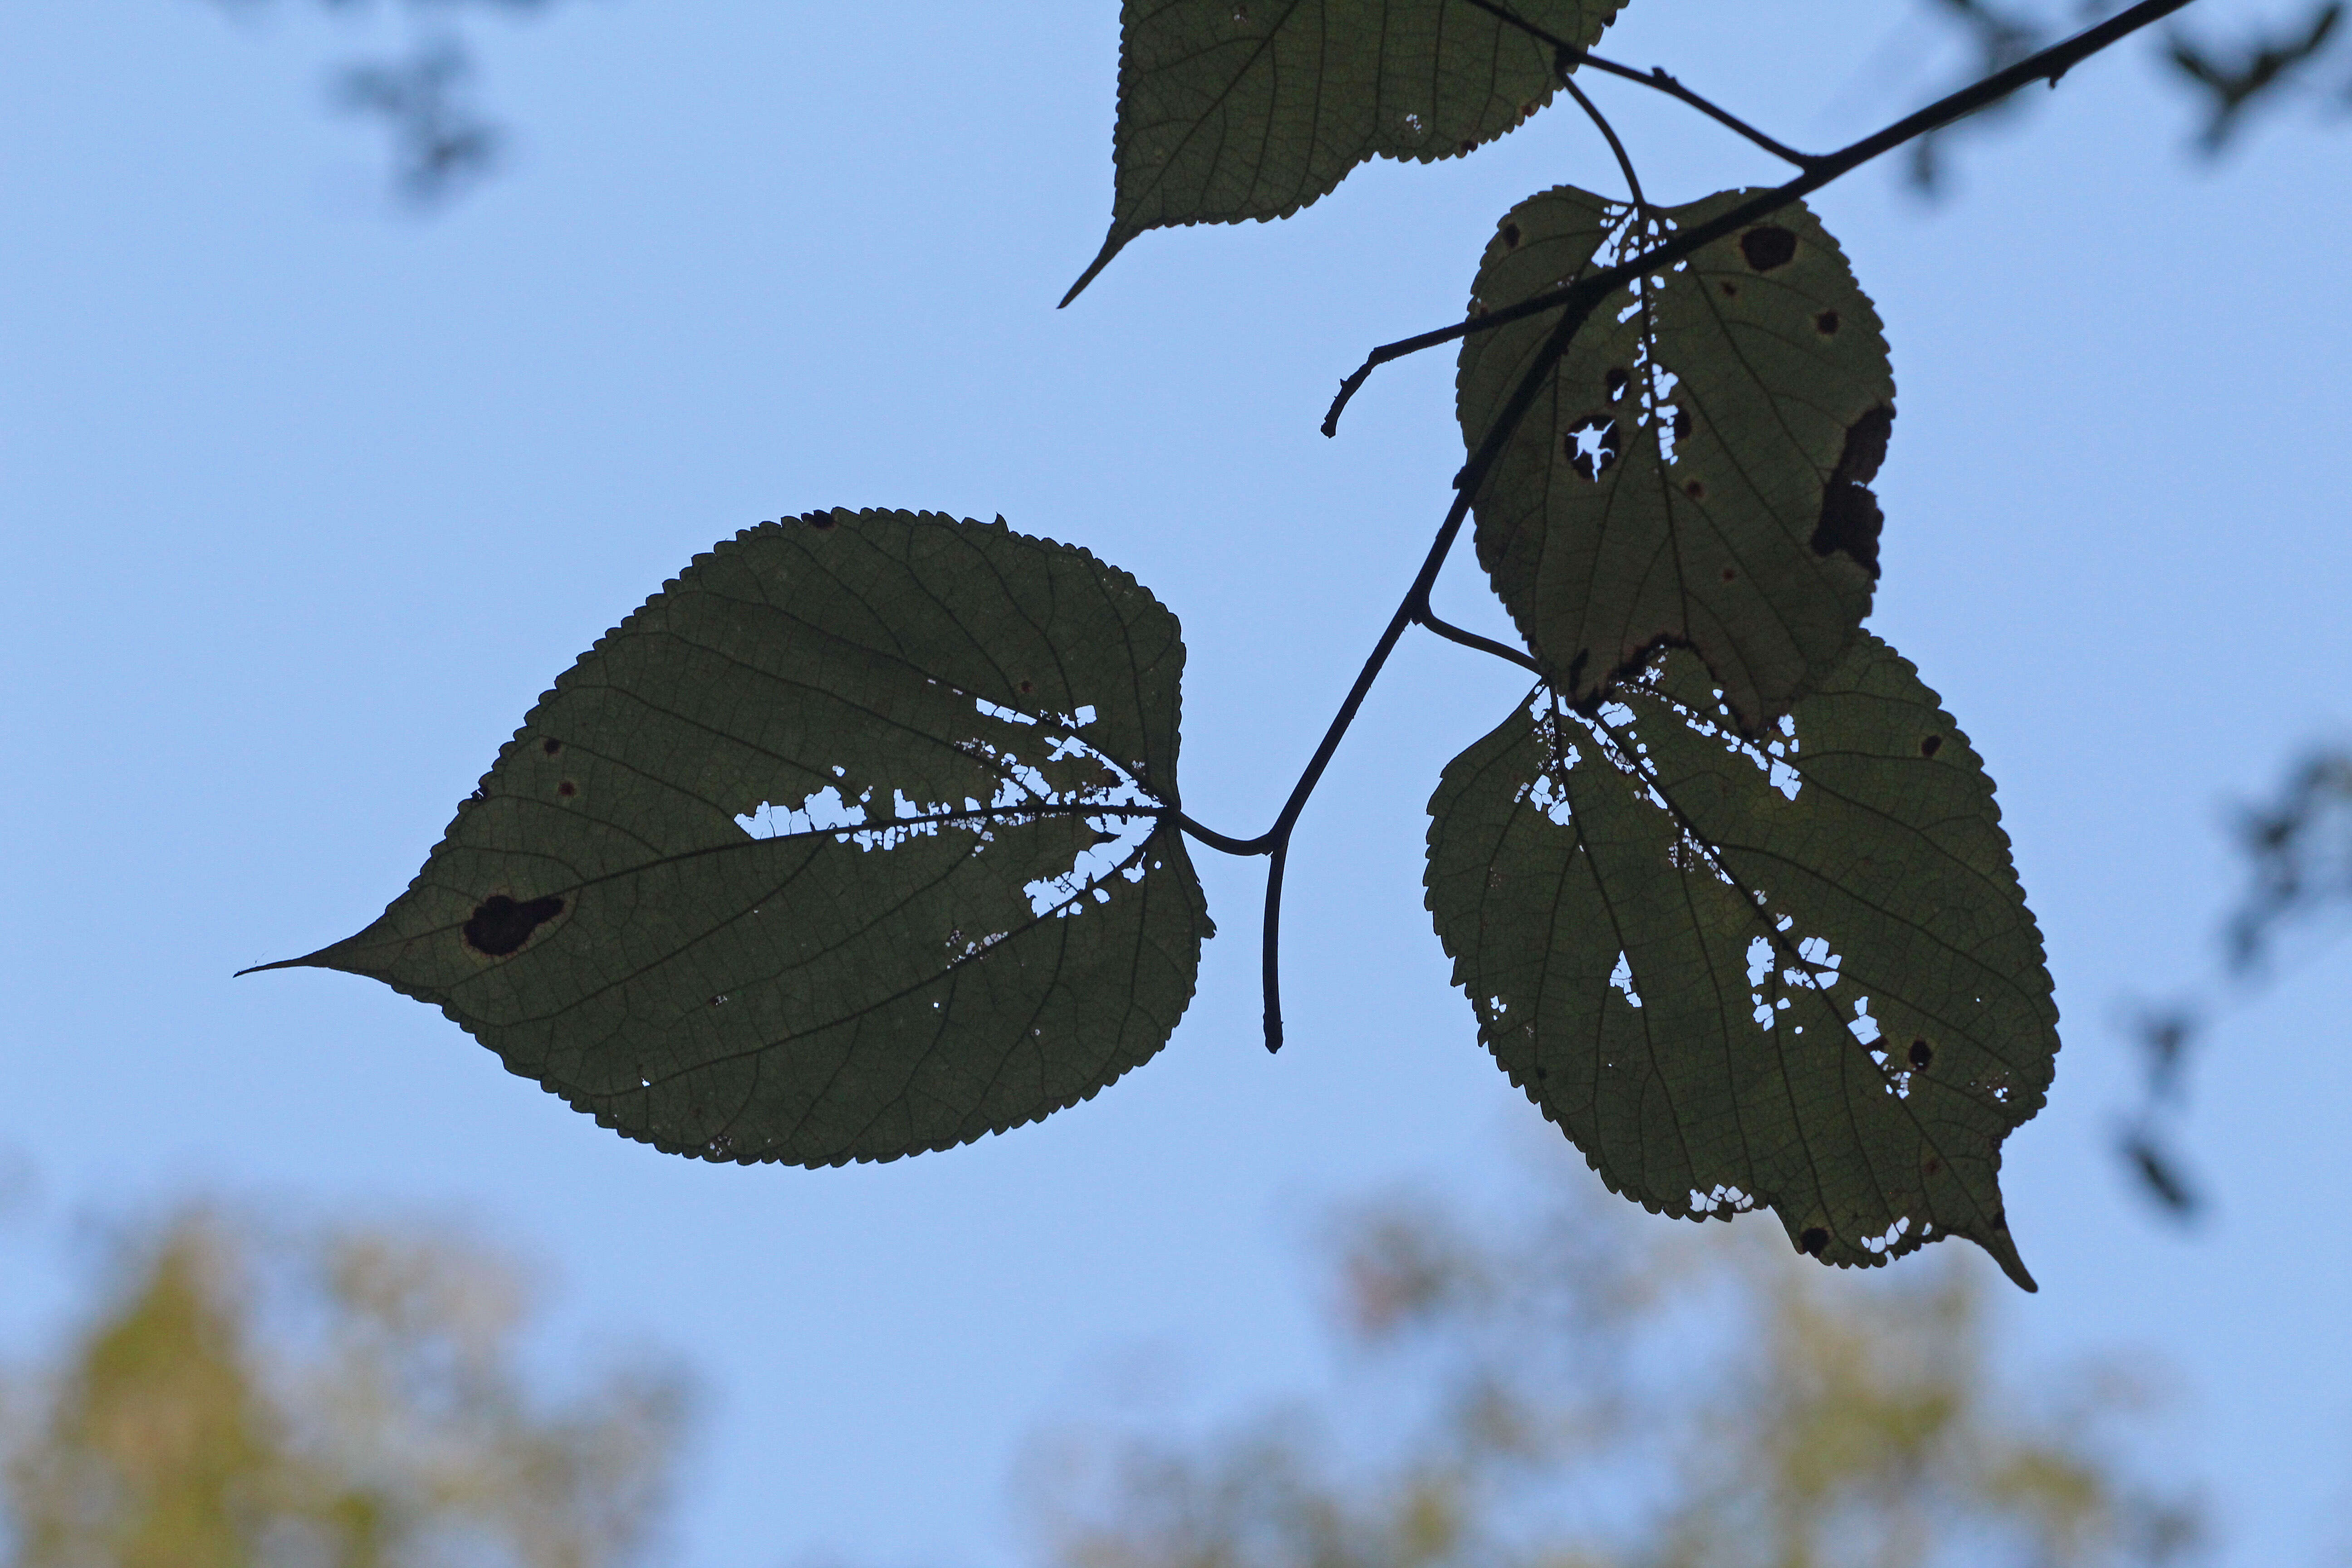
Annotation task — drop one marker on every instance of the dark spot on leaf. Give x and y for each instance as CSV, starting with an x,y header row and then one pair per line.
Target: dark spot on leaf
x,y
567,788
1027,686
1934,1165
1768,245
1682,424
1592,445
500,925
1930,744
1618,377
550,747
1511,230
1696,490
1730,290
1813,1240
820,520
1922,1053
1464,151
2000,1221
1576,666
1729,575
1826,324
1850,516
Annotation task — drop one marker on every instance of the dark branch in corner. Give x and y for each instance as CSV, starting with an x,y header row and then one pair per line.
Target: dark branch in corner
x,y
2049,65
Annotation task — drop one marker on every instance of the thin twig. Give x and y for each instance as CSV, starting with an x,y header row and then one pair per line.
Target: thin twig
x,y
1262,844
2049,65
1468,638
1655,78
1609,133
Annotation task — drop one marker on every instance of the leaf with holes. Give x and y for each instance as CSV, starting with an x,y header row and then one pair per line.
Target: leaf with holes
x,y
1694,470
856,840
1252,109
1796,975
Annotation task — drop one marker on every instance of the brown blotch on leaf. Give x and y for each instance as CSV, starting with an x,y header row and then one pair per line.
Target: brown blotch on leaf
x,y
567,788
1730,290
550,747
1813,1240
500,926
1696,490
1850,517
1510,235
1464,151
1826,324
1768,245
1930,744
1027,686
1934,1165
820,520
1682,424
1922,1053
1729,575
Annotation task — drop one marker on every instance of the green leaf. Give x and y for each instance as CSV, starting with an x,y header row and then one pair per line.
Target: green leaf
x,y
1797,974
1693,473
856,841
1252,109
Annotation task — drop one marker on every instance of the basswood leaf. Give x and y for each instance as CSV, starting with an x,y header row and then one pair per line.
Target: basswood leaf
x,y
1252,109
855,841
1694,471
1797,974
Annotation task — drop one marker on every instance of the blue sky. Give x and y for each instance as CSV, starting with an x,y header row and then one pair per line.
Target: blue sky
x,y
305,503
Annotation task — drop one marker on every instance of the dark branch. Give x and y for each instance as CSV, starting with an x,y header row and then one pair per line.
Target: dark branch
x,y
1468,638
2049,65
1609,135
1655,78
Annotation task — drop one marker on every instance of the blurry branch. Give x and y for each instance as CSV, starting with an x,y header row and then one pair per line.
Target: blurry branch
x,y
1595,1394
2260,65
2299,851
441,140
2255,64
351,1399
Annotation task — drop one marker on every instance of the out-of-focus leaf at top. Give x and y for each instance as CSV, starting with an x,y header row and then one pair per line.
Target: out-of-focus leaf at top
x,y
856,840
1694,473
1795,975
1252,109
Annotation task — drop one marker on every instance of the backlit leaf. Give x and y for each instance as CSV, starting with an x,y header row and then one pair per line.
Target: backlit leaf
x,y
853,842
1252,109
1694,473
1797,974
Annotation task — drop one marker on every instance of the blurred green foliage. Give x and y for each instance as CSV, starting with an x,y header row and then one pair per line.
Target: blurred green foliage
x,y
352,1399
1596,1393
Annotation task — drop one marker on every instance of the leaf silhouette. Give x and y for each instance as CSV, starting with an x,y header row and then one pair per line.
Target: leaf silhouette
x,y
1252,109
1797,974
1693,473
855,841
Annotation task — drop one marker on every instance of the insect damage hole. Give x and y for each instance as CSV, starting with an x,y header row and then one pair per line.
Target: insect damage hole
x,y
1592,445
500,926
1850,520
